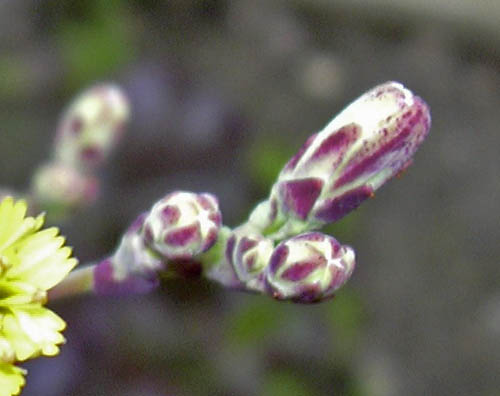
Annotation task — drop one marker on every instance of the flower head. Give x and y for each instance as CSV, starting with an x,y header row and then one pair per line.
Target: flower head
x,y
31,262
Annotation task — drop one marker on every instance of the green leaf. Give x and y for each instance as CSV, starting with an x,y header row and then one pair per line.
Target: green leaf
x,y
283,383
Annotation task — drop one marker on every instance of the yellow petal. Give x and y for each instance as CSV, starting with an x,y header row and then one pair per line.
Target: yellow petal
x,y
40,259
32,331
13,224
11,379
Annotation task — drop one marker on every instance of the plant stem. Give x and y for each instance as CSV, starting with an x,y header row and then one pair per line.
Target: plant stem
x,y
80,281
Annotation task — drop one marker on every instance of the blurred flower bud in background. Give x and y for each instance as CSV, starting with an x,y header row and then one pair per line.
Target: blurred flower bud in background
x,y
309,267
61,189
91,127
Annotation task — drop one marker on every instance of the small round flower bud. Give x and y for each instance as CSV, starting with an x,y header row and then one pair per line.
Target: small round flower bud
x,y
91,127
308,268
248,254
182,225
369,142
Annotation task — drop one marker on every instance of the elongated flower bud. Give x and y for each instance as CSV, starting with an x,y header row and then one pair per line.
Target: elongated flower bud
x,y
308,268
91,127
248,254
368,143
182,225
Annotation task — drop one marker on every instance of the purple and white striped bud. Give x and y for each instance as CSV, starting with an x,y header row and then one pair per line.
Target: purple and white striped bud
x,y
308,268
91,127
248,254
182,225
369,142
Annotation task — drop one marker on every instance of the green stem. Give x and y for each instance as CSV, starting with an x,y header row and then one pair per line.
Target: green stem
x,y
79,281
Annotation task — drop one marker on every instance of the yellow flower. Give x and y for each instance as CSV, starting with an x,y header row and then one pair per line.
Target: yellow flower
x,y
31,262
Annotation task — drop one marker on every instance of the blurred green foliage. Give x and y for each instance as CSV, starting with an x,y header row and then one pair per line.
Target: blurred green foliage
x,y
95,42
256,322
345,316
285,383
265,158
13,81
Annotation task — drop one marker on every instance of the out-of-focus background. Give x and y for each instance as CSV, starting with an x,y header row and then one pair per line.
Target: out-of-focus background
x,y
223,92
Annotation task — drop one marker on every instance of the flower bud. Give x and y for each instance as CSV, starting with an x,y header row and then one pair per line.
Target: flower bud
x,y
62,188
369,142
91,127
308,268
182,225
248,254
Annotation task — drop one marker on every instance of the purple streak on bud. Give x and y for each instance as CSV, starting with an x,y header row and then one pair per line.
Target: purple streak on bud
x,y
216,218
170,215
147,234
246,244
207,202
336,208
210,239
337,144
75,125
105,282
301,270
182,236
309,295
137,224
299,196
296,158
279,256
230,247
91,154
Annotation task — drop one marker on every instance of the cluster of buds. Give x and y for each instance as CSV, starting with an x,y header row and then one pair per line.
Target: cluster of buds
x,y
277,252
306,268
89,129
368,143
